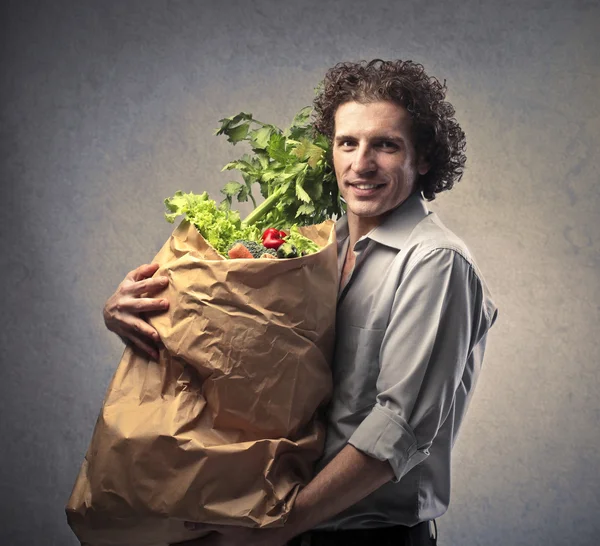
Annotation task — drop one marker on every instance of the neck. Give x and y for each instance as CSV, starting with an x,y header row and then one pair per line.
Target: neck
x,y
360,226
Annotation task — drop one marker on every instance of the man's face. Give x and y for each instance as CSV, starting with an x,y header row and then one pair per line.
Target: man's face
x,y
374,159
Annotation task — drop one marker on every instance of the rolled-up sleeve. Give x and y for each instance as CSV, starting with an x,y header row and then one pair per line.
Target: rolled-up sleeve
x,y
438,316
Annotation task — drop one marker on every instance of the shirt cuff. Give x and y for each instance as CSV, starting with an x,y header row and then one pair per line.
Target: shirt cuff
x,y
385,436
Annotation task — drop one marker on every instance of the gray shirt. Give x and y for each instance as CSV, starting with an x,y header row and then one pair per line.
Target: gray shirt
x,y
410,337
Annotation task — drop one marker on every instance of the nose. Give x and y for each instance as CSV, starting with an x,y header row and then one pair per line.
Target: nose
x,y
363,160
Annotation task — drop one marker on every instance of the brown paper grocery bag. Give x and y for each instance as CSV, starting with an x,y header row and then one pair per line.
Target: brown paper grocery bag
x,y
224,428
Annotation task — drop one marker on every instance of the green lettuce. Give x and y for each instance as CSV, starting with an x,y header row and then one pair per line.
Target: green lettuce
x,y
303,244
220,226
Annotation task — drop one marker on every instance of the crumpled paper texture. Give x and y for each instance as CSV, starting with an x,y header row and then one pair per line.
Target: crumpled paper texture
x,y
224,428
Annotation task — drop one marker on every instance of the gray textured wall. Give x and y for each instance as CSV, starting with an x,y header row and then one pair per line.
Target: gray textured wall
x,y
107,107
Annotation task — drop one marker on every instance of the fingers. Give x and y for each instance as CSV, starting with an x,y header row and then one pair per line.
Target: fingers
x,y
124,318
124,310
143,345
131,323
142,305
147,345
146,286
143,272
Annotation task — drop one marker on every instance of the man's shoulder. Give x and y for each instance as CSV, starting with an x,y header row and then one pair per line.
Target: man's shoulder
x,y
431,234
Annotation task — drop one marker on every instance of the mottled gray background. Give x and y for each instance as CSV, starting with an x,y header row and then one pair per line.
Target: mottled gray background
x,y
107,107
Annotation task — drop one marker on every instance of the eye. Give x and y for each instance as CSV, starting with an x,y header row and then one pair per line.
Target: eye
x,y
346,143
388,145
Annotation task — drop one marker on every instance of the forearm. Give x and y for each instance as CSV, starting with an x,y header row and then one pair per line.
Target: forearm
x,y
348,478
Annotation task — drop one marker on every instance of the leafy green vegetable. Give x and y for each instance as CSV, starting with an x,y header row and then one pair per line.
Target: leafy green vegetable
x,y
302,243
219,226
290,168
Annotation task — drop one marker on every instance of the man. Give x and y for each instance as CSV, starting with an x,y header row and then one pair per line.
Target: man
x,y
413,315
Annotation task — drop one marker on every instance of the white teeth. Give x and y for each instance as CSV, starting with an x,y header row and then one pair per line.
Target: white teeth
x,y
365,186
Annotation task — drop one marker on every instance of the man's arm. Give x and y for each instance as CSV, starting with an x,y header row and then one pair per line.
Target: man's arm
x,y
432,314
349,477
440,312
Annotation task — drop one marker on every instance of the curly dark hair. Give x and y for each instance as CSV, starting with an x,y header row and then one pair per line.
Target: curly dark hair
x,y
437,137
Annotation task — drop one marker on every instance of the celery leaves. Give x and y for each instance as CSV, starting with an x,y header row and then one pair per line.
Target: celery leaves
x,y
290,168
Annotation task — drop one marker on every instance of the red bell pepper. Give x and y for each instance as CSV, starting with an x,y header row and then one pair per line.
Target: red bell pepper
x,y
273,238
272,241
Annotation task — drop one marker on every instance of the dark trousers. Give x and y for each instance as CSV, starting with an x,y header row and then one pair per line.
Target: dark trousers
x,y
419,535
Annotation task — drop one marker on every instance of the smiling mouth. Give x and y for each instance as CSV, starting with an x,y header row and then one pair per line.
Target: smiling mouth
x,y
362,186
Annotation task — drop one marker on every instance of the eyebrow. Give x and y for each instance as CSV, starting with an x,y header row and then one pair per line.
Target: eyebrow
x,y
397,139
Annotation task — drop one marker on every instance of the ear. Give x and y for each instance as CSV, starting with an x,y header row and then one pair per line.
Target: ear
x,y
422,167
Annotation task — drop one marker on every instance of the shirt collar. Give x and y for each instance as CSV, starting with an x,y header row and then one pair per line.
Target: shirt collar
x,y
396,227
